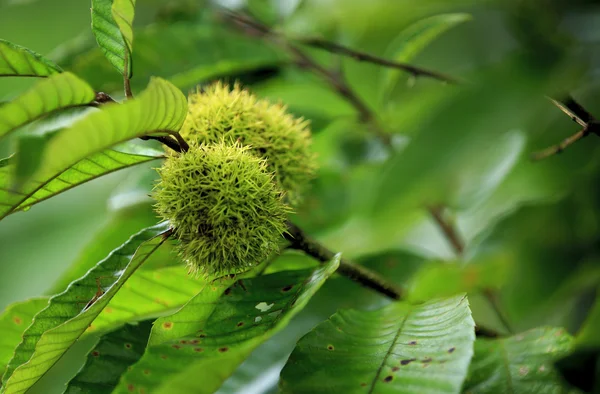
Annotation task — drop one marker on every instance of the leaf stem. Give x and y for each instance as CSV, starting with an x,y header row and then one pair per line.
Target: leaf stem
x,y
182,143
363,276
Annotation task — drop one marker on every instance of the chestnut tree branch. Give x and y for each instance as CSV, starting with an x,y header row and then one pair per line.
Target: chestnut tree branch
x,y
363,276
366,57
333,78
453,237
579,115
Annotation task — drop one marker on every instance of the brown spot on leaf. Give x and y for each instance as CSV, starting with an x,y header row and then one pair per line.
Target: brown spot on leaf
x,y
452,349
287,288
95,353
194,341
427,360
363,385
227,291
163,356
128,346
176,347
108,310
198,349
167,325
146,372
407,361
412,343
394,369
330,347
17,320
388,378
183,341
202,336
240,324
130,388
223,349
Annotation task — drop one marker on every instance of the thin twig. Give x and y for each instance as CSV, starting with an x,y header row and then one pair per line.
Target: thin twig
x,y
300,241
333,78
448,229
494,300
579,115
452,235
366,57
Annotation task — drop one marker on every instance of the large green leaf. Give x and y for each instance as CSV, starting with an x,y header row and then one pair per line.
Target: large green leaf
x,y
118,227
110,358
413,40
519,364
16,60
60,91
399,348
69,314
44,186
13,322
123,12
161,107
148,293
109,37
78,149
244,317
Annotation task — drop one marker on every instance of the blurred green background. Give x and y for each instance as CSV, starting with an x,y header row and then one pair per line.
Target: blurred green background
x,y
530,228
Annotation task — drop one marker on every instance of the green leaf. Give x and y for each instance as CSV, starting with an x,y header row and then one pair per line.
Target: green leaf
x,y
44,186
116,230
13,322
412,40
148,293
400,348
16,60
443,278
69,314
109,37
60,91
519,364
123,12
161,107
587,337
110,358
78,149
244,317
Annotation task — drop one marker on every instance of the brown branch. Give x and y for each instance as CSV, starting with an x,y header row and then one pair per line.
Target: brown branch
x,y
363,276
334,79
451,234
579,115
165,140
182,143
437,213
366,57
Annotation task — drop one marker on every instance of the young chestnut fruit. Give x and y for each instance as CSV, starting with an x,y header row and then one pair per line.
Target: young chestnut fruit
x,y
227,212
234,115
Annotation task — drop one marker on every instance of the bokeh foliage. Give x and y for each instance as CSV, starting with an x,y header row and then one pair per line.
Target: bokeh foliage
x,y
526,230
